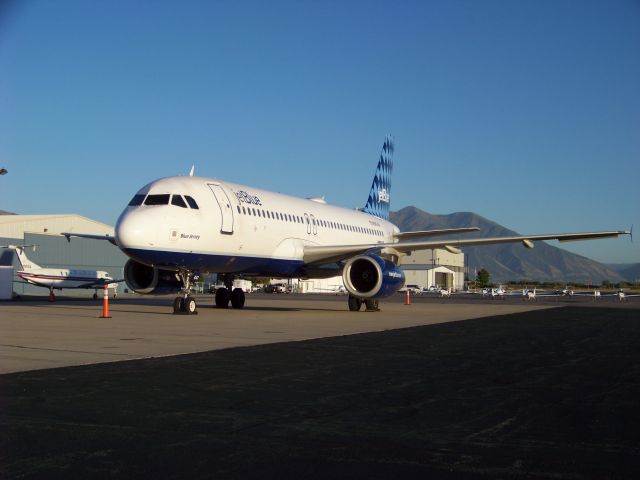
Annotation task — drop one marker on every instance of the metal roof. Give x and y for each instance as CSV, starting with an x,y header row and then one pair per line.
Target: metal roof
x,y
15,226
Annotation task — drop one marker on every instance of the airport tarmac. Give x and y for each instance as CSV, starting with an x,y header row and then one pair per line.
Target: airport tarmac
x,y
542,393
36,334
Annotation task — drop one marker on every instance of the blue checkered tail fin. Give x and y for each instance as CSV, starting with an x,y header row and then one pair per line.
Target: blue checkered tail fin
x,y
380,194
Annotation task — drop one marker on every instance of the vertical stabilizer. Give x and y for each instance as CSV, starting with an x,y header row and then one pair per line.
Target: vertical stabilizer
x,y
22,258
380,193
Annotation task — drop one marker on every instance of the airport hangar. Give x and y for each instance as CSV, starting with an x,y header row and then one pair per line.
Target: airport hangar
x,y
424,268
53,250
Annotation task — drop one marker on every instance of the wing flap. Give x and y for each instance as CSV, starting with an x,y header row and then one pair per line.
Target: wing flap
x,y
433,233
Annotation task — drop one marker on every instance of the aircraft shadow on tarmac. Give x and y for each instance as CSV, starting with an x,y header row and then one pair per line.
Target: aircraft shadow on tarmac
x,y
115,304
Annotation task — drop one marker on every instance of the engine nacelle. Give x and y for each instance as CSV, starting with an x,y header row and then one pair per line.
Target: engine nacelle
x,y
370,276
144,279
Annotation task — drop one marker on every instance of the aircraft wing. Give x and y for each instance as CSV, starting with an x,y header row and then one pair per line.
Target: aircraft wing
x,y
108,238
335,253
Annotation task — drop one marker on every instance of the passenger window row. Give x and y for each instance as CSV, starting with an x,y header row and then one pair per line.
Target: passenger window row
x,y
163,199
286,217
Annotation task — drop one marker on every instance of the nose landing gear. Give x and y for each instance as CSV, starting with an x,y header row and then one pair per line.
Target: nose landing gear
x,y
185,304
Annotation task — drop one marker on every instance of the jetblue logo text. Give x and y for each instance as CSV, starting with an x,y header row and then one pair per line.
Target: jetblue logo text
x,y
244,197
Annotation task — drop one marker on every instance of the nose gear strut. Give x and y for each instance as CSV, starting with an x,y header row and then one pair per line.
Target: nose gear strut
x,y
185,304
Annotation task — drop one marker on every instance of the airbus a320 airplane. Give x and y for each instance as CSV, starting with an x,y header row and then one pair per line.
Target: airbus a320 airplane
x,y
175,228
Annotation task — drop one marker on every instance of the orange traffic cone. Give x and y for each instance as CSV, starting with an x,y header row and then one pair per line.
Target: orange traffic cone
x,y
105,303
407,300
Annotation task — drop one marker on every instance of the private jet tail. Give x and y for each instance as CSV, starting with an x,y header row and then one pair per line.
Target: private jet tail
x,y
22,257
380,194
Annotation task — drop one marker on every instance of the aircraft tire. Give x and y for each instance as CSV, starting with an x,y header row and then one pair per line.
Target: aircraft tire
x,y
354,303
237,298
190,306
178,303
372,305
222,298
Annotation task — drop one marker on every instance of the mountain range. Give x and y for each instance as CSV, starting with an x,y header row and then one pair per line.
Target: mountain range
x,y
512,261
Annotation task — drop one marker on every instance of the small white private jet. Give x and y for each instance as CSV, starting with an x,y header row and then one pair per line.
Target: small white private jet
x,y
59,278
178,227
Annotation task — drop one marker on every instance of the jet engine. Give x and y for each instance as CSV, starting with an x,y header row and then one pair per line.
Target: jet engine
x,y
370,276
144,279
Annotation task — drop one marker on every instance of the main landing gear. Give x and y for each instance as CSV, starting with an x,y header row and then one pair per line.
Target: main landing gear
x,y
185,304
228,294
355,303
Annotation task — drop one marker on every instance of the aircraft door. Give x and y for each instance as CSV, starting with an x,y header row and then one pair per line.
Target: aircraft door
x,y
225,208
314,225
308,222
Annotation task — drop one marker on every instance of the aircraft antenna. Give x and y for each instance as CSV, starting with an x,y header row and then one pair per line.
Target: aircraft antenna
x,y
193,167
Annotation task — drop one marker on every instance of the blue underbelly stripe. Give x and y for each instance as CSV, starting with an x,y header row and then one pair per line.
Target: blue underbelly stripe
x,y
218,263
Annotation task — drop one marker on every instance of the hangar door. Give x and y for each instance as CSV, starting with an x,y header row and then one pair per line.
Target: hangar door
x,y
225,208
444,279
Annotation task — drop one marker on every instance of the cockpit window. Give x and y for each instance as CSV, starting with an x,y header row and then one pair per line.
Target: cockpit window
x,y
192,203
178,201
137,200
161,199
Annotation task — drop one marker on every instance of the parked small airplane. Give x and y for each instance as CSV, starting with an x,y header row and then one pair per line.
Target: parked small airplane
x,y
565,292
623,296
177,227
59,278
445,293
499,292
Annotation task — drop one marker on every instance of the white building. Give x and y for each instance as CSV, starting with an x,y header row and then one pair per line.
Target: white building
x,y
322,285
434,268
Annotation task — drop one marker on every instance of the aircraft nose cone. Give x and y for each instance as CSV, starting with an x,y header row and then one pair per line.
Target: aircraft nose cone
x,y
133,232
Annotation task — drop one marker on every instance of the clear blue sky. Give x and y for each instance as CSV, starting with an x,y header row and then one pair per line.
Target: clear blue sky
x,y
525,112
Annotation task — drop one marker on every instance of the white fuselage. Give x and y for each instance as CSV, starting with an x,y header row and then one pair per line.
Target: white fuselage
x,y
236,228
